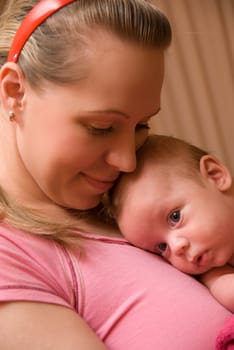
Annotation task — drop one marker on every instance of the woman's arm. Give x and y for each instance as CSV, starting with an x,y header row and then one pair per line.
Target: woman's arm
x,y
30,325
220,282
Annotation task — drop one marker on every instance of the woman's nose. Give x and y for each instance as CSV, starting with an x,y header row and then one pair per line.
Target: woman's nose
x,y
178,245
122,155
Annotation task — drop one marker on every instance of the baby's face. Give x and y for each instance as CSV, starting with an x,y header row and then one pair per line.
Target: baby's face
x,y
176,217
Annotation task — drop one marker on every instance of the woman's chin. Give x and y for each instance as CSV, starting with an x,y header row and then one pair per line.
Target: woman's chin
x,y
83,205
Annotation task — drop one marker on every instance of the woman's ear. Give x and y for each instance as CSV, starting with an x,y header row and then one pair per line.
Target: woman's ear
x,y
215,172
12,88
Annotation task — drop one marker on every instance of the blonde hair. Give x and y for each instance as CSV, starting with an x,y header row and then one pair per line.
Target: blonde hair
x,y
55,50
58,44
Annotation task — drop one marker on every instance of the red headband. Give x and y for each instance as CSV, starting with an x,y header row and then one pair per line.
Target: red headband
x,y
40,12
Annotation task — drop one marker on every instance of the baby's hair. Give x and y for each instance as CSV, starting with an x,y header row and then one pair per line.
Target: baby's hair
x,y
163,149
57,50
169,154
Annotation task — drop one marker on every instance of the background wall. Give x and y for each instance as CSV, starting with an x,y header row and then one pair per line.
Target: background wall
x,y
198,92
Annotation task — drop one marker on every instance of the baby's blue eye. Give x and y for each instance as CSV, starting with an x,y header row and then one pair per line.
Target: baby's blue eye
x,y
174,217
162,247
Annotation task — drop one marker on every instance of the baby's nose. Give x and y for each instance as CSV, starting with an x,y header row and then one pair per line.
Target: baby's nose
x,y
179,245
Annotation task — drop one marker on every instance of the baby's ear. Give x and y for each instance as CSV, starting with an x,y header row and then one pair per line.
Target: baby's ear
x,y
215,172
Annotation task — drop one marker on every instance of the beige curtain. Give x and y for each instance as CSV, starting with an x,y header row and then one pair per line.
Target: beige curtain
x,y
198,92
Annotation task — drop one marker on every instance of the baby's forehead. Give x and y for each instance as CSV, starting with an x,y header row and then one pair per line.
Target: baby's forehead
x,y
149,171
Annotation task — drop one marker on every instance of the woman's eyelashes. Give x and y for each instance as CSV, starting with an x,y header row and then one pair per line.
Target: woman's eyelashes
x,y
142,126
100,131
94,130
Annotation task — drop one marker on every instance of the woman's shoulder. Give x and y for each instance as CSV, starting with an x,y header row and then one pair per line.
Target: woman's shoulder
x,y
33,268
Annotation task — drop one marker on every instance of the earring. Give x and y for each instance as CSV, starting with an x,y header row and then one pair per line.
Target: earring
x,y
11,115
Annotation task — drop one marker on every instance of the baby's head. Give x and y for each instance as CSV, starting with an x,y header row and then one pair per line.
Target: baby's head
x,y
178,203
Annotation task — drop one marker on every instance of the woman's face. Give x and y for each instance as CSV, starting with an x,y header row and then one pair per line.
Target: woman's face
x,y
76,139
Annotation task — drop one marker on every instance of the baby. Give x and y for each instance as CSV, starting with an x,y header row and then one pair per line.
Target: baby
x,y
179,203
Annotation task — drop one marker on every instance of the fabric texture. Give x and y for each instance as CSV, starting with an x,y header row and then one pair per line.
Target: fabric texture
x,y
132,299
225,339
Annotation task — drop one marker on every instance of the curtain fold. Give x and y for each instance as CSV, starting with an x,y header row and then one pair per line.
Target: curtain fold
x,y
198,93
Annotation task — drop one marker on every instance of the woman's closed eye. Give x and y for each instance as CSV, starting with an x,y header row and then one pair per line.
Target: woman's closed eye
x,y
108,129
100,131
142,127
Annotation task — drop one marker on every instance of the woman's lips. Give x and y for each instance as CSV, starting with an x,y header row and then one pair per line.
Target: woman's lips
x,y
100,185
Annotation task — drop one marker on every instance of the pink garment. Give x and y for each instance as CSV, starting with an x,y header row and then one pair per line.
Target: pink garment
x,y
225,339
132,299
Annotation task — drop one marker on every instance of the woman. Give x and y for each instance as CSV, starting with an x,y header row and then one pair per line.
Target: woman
x,y
79,82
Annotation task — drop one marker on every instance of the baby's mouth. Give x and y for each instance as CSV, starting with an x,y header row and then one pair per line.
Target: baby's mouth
x,y
202,259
